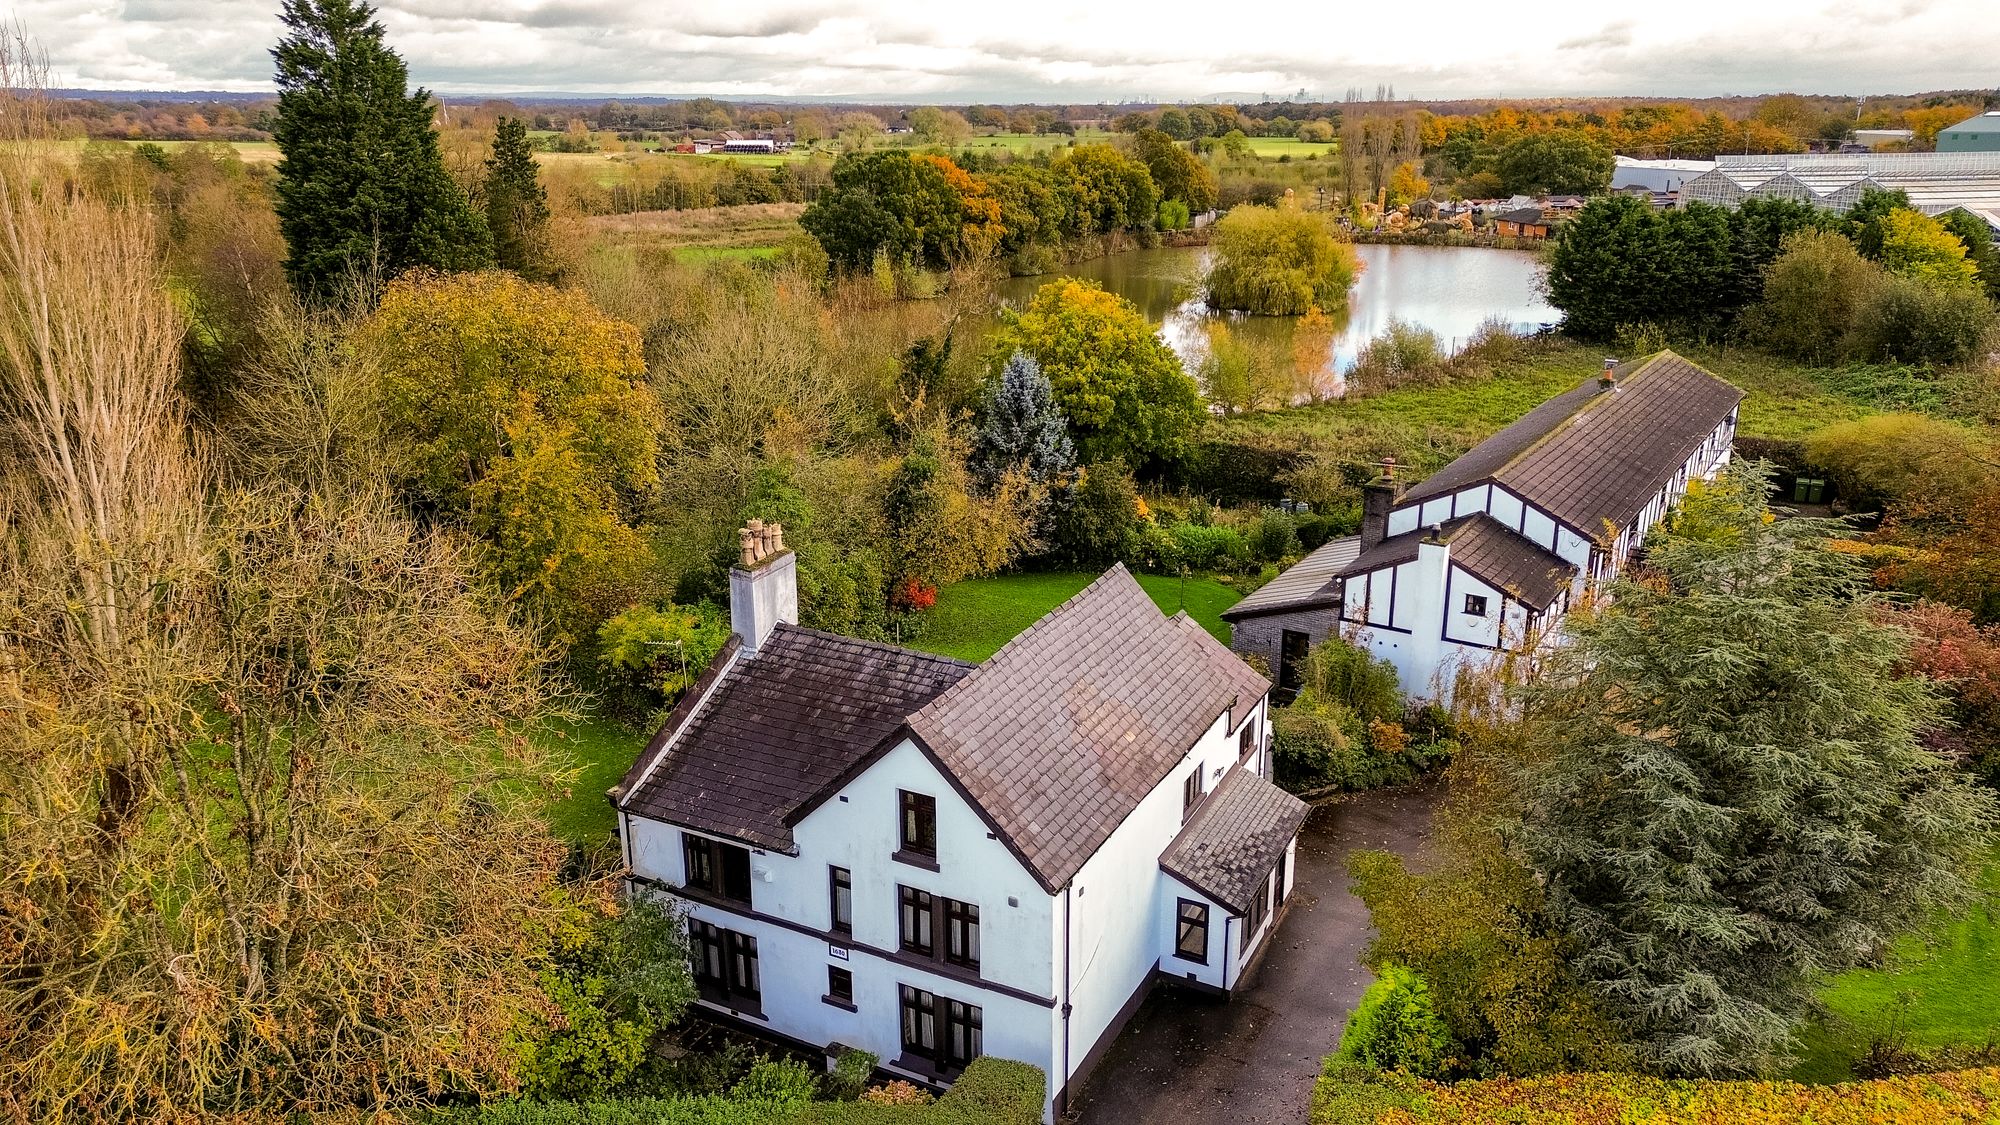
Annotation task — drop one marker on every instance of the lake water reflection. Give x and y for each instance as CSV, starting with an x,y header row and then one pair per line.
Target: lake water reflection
x,y
1449,290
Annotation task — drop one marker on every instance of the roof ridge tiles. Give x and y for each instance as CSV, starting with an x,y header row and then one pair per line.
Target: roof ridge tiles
x,y
876,646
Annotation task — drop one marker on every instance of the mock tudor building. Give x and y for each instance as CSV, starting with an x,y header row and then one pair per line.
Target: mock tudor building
x,y
930,860
1486,555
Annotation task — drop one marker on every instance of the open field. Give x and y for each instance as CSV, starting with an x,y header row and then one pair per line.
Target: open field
x,y
750,230
1271,148
972,619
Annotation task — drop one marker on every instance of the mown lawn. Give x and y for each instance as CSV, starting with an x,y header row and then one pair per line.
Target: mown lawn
x,y
974,618
601,751
1941,988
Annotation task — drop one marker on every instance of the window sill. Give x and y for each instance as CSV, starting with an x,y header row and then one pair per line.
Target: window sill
x,y
711,898
843,1005
916,859
918,1064
1179,956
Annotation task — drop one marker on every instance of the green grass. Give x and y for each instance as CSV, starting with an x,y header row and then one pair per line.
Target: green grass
x,y
1271,148
1941,986
974,618
601,751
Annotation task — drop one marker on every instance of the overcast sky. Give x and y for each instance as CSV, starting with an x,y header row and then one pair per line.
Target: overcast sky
x,y
1066,50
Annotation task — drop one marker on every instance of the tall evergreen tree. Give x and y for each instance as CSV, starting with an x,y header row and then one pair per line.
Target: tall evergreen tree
x,y
362,190
1020,424
1724,793
517,208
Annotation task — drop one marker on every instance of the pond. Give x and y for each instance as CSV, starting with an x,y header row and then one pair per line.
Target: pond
x,y
1450,290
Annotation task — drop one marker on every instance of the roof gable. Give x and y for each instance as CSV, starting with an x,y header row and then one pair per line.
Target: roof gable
x,y
1068,727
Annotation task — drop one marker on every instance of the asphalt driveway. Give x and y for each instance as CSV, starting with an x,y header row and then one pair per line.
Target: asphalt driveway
x,y
1188,1060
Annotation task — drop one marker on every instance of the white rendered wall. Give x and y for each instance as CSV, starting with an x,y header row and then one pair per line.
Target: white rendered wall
x,y
1119,896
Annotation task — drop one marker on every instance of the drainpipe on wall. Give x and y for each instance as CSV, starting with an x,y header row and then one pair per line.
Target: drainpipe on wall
x,y
1066,1008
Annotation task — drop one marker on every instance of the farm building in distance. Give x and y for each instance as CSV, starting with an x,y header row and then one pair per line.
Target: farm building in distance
x,y
1936,182
1655,176
1978,133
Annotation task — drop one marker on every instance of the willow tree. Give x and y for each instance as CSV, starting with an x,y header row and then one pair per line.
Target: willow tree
x,y
1726,794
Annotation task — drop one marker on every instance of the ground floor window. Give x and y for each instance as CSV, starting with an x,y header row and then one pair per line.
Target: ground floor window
x,y
725,964
949,1033
1260,908
1191,931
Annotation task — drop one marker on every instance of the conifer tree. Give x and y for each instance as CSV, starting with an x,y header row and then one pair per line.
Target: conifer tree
x,y
517,208
1020,424
1725,794
362,190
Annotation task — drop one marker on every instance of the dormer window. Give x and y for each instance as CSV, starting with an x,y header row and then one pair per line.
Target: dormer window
x,y
918,812
719,869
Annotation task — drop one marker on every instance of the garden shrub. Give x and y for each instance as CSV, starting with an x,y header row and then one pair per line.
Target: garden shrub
x,y
649,656
1274,536
1395,1027
1913,321
1205,547
1095,522
1347,727
1404,353
777,1080
850,1074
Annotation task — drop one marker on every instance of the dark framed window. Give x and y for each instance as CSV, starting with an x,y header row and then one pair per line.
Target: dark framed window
x,y
1191,792
949,1047
1246,743
725,965
964,1034
720,869
961,933
1191,931
1475,604
840,899
840,985
1278,879
916,922
919,822
1259,907
919,1022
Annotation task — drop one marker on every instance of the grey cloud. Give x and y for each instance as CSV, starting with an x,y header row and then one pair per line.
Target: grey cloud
x,y
1617,34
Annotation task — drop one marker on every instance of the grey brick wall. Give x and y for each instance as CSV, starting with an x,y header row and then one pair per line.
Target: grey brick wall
x,y
1259,636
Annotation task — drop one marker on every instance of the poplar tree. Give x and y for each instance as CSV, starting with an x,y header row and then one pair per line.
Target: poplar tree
x,y
517,208
362,189
1725,794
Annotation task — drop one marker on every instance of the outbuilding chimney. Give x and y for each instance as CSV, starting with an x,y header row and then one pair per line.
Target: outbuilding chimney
x,y
1378,497
763,586
1609,378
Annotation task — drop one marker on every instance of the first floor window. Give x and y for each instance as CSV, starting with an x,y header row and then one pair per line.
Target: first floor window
x,y
959,1039
961,933
1191,792
720,869
1246,742
1191,932
916,921
1475,604
839,984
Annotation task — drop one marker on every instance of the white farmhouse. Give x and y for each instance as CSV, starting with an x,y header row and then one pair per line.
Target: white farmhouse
x,y
1485,556
930,860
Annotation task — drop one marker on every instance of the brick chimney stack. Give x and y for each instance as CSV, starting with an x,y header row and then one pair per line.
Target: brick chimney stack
x,y
763,586
1609,378
1378,497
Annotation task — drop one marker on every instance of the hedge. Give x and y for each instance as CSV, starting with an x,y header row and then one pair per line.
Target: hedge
x,y
1962,1096
990,1092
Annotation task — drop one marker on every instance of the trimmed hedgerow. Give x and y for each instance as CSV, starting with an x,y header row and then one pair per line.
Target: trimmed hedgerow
x,y
990,1092
1346,1096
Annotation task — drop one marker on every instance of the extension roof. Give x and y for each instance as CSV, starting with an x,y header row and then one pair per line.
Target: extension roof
x,y
1595,455
1234,839
1485,548
1054,740
1306,584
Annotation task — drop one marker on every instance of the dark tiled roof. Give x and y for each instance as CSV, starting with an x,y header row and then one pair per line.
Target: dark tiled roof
x,y
1493,552
779,727
1521,215
1594,455
1234,839
1497,555
1061,734
1303,584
